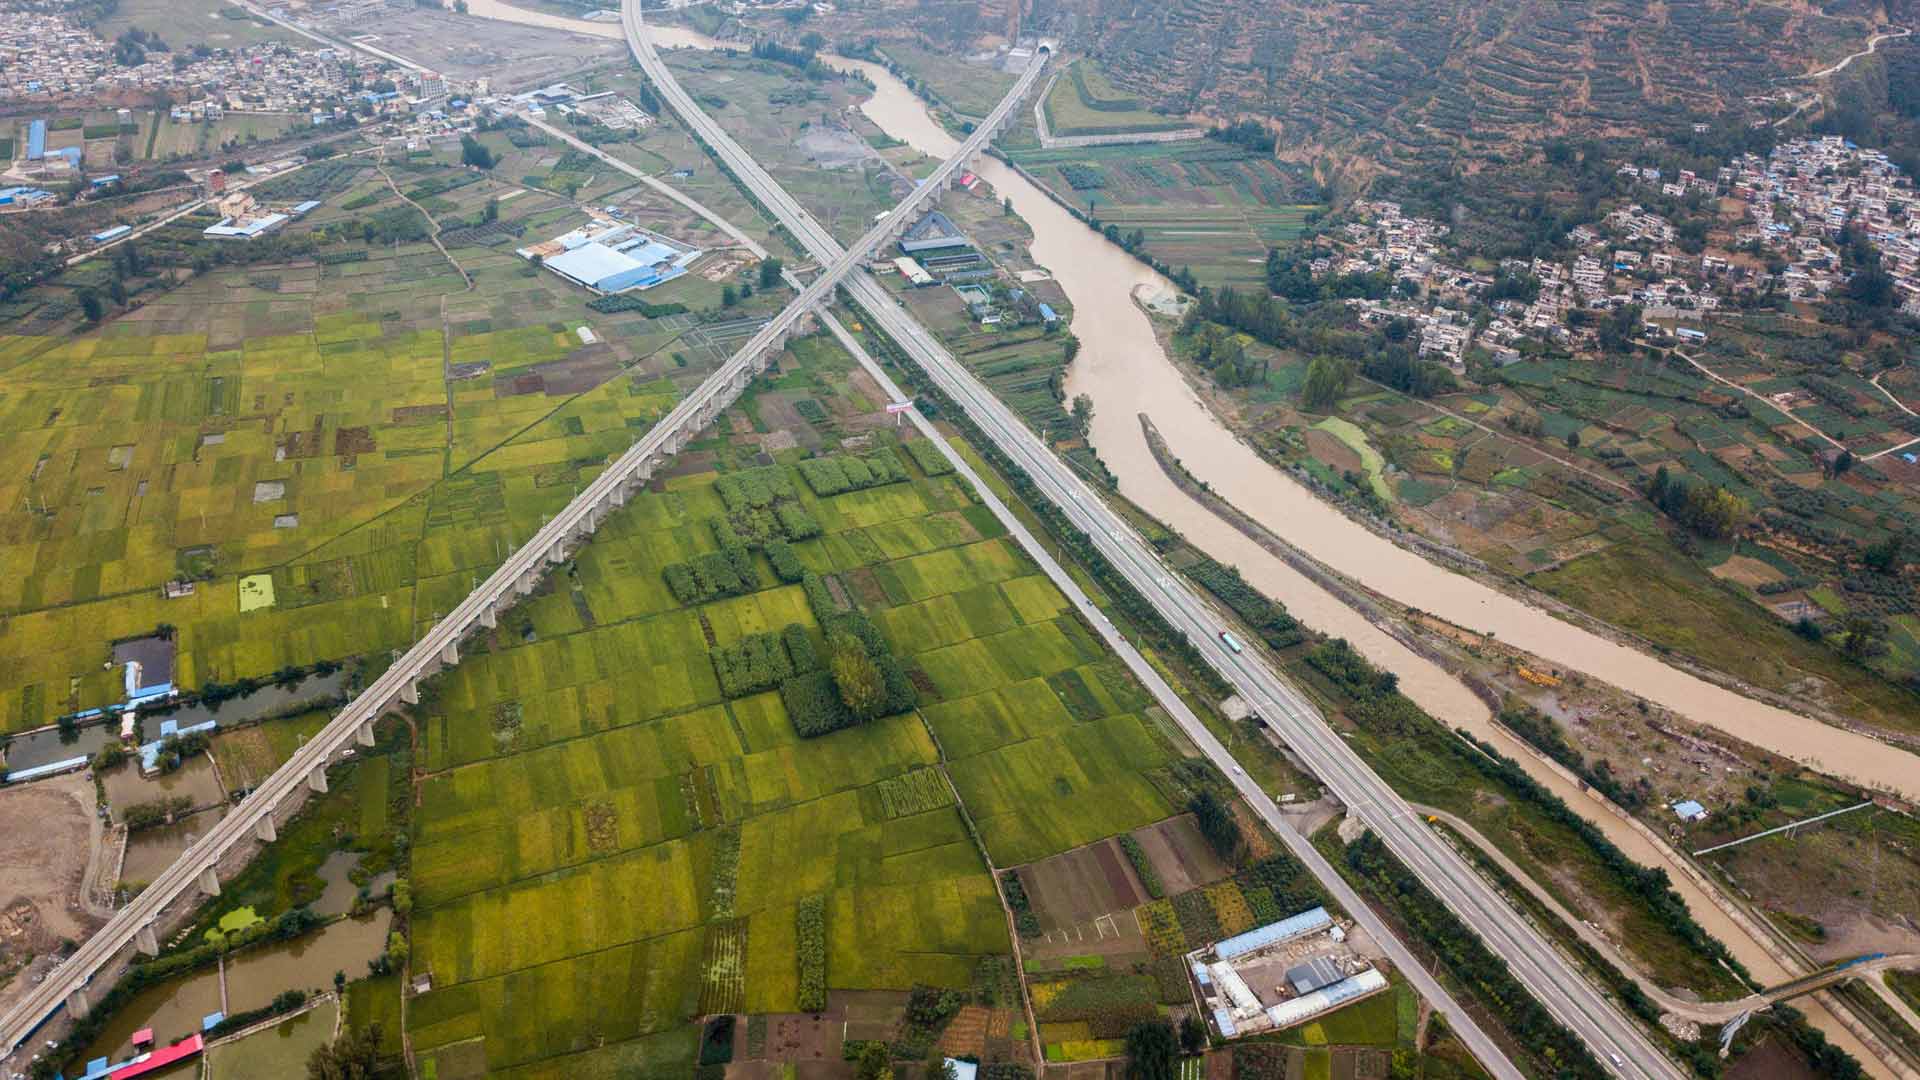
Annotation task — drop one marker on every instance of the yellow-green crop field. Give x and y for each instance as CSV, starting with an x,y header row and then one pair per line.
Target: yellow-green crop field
x,y
356,452
607,845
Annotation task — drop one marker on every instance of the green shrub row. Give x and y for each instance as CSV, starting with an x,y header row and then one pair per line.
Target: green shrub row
x,y
928,456
756,488
786,565
755,663
796,521
811,949
1272,621
841,473
608,305
1142,866
800,650
1024,920
709,577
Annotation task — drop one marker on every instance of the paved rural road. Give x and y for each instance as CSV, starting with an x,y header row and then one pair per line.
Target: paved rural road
x,y
1615,1039
440,644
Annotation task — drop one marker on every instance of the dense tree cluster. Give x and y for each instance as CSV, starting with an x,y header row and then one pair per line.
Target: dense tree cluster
x,y
1707,510
1218,825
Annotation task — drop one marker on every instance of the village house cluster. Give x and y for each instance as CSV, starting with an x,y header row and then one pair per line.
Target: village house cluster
x,y
1805,192
1798,201
1387,241
50,57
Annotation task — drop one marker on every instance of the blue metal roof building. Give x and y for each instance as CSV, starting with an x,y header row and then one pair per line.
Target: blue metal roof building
x,y
36,140
1286,929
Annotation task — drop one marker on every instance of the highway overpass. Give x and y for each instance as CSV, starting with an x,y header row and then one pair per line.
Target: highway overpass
x,y
1556,981
137,924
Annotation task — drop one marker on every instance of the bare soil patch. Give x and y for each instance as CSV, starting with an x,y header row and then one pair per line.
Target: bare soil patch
x,y
1746,570
1335,453
1180,855
50,832
1081,885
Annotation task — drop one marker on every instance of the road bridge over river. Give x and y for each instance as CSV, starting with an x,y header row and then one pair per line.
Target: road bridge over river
x,y
136,925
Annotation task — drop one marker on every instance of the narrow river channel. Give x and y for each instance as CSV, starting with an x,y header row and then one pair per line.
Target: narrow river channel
x,y
1126,373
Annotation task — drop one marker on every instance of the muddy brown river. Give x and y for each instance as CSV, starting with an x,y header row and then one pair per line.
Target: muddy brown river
x,y
1123,369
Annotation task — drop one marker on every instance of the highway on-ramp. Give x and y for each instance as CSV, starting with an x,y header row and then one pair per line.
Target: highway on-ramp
x,y
1616,1040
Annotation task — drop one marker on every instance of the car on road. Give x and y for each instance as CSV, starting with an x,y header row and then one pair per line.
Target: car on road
x,y
1232,642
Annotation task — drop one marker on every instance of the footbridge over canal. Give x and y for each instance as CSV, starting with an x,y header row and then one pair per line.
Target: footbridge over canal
x,y
136,925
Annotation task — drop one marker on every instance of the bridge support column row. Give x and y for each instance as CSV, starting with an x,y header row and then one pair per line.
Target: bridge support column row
x,y
209,882
264,831
147,941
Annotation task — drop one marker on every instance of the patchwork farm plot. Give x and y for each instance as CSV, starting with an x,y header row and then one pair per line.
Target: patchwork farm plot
x,y
324,448
1106,929
1209,205
1542,472
621,791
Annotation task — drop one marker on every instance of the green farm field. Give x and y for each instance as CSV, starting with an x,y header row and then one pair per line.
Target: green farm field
x,y
330,427
596,811
1208,205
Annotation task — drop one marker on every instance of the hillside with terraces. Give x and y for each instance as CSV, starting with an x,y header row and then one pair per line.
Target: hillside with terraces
x,y
1409,84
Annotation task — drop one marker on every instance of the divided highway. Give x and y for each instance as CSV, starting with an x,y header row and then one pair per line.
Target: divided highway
x,y
197,867
1616,1040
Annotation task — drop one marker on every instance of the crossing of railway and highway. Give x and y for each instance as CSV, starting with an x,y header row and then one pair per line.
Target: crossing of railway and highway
x,y
1616,1040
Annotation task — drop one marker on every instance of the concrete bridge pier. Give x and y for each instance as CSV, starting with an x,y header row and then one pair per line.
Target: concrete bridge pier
x,y
364,733
147,941
317,779
557,554
78,1003
528,582
209,882
490,614
618,497
450,655
410,693
264,831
